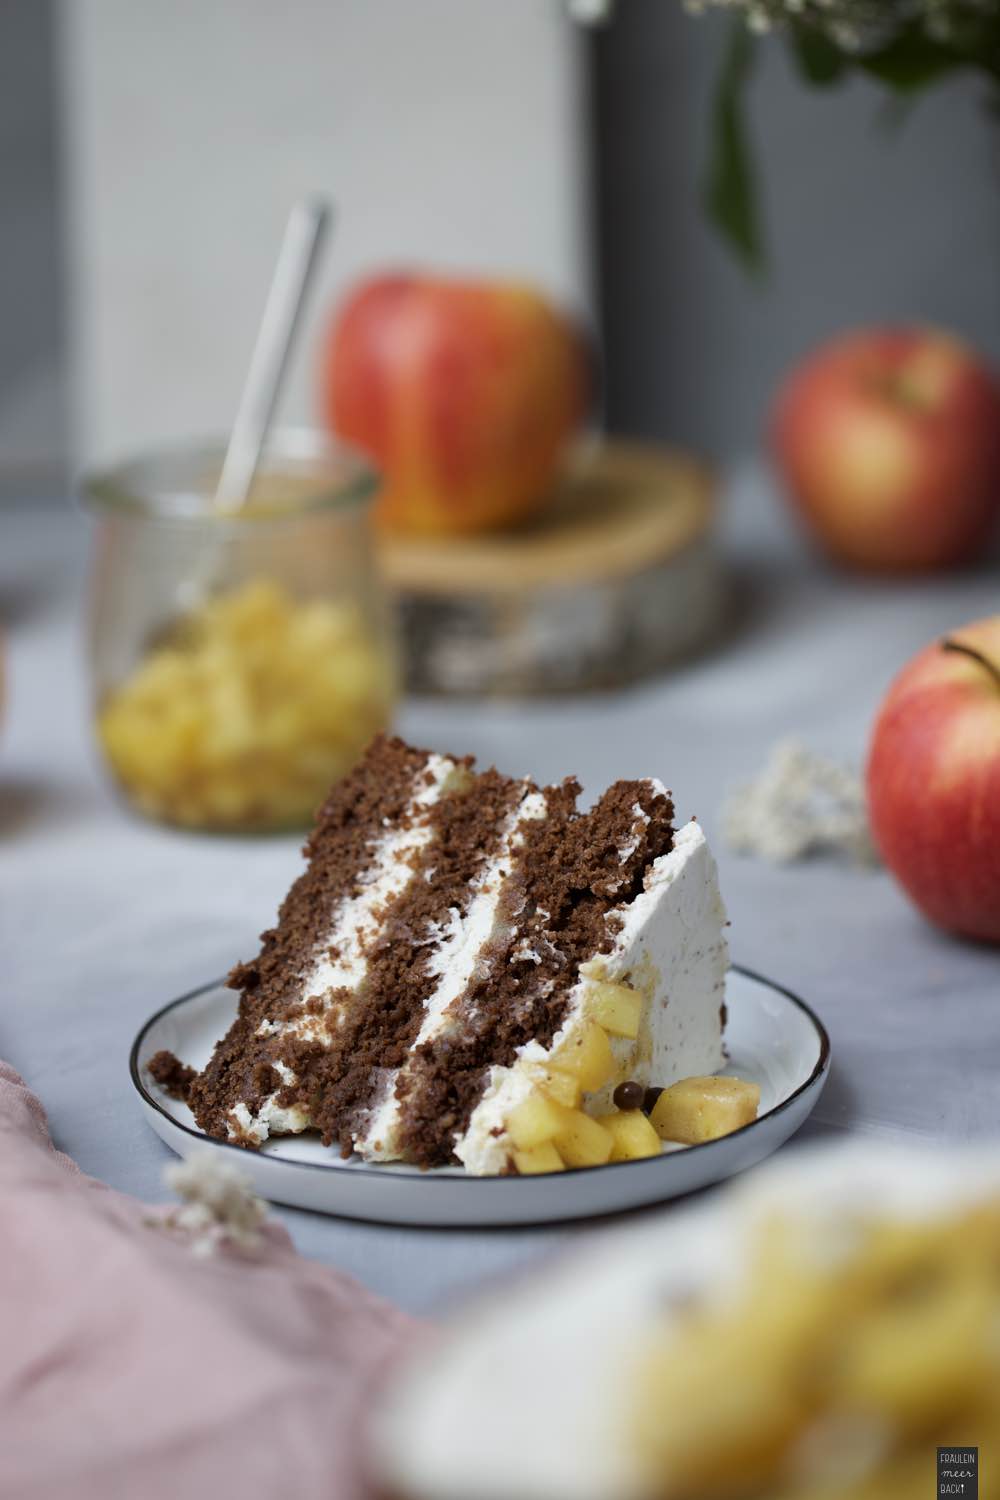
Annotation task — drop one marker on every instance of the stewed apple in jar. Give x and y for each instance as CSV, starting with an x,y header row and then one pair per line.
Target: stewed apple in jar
x,y
240,660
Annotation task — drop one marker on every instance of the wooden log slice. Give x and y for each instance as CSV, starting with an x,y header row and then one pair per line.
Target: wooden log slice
x,y
617,578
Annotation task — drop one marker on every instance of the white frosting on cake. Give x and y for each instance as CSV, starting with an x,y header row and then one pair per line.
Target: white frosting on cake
x,y
672,947
533,1391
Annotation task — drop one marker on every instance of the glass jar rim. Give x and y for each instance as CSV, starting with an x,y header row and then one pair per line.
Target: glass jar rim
x,y
163,484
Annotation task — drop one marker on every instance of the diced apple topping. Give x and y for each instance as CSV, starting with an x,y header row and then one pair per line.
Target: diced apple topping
x,y
575,1139
588,1057
535,1120
543,1158
703,1109
582,1141
616,1007
892,1333
560,1086
632,1134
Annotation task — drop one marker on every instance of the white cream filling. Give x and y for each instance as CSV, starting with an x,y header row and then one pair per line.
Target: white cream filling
x,y
340,960
672,940
641,822
462,940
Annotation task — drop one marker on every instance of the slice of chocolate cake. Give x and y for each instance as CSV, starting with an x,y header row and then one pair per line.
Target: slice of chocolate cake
x,y
467,969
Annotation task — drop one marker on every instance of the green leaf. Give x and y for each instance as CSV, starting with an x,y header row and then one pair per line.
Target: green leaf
x,y
911,61
730,188
819,60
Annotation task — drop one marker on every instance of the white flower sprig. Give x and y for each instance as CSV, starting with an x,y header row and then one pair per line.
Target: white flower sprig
x,y
800,804
218,1207
856,26
904,45
590,12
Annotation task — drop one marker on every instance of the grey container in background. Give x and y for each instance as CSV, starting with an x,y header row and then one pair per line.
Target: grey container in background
x,y
866,222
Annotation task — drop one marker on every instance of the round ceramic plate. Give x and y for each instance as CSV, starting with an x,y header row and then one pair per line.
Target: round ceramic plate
x,y
773,1039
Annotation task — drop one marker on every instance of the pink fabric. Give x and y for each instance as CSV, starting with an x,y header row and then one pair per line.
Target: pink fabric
x,y
130,1369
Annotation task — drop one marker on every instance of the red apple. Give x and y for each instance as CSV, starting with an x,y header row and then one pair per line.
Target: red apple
x,y
934,780
465,393
889,444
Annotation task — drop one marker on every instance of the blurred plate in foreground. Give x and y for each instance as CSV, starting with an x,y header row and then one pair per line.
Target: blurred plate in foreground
x,y
812,1332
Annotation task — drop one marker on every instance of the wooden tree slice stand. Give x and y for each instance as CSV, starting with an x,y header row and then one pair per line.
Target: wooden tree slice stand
x,y
617,578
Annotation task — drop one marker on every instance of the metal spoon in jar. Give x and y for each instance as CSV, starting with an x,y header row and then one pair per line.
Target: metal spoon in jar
x,y
297,260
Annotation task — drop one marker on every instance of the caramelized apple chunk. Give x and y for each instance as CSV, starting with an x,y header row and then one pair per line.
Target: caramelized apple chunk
x,y
543,1158
632,1134
616,1007
703,1109
535,1120
564,1088
587,1056
583,1141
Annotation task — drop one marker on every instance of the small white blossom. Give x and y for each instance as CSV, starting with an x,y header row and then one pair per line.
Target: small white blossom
x,y
758,20
218,1204
590,12
857,26
801,804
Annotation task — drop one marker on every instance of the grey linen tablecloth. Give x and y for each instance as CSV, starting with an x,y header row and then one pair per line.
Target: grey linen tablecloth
x,y
104,918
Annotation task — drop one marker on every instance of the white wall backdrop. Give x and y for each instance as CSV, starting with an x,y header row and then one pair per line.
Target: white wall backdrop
x,y
450,132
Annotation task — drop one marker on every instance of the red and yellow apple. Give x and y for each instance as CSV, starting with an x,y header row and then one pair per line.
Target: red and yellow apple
x,y
934,780
465,394
889,444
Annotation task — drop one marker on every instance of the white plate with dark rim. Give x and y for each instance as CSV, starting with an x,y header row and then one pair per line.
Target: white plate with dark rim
x,y
773,1038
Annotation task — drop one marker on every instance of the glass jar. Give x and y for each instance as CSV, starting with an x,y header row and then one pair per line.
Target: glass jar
x,y
240,662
